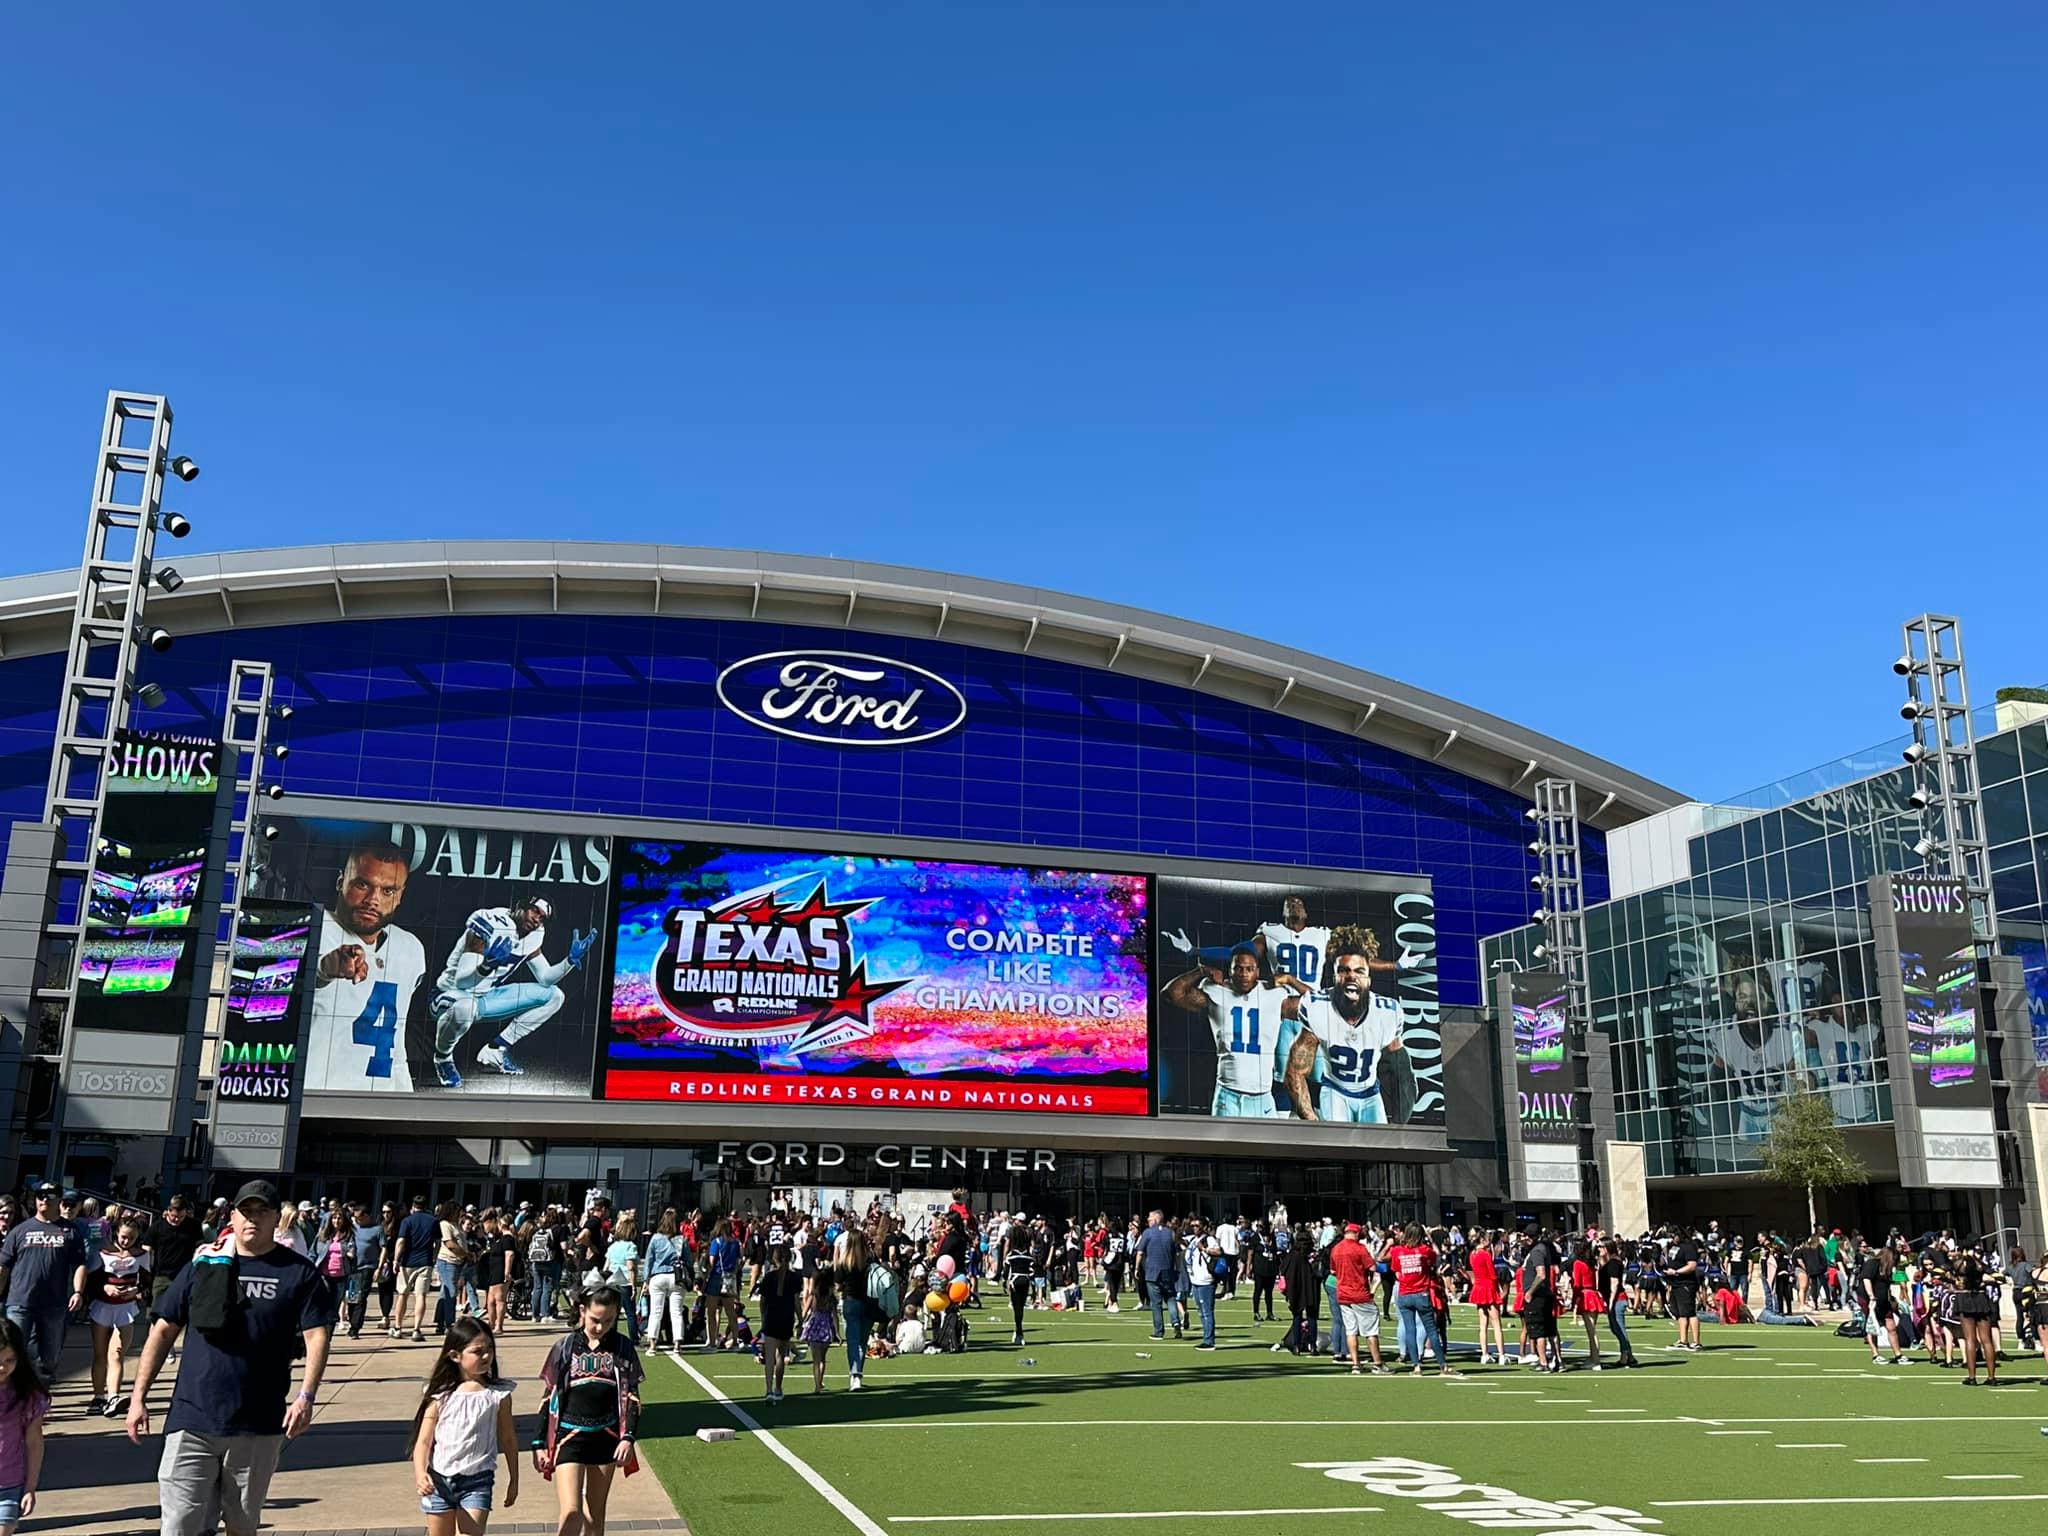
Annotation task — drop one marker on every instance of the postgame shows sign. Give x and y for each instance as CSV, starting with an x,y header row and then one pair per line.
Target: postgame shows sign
x,y
447,958
746,975
1938,972
1248,968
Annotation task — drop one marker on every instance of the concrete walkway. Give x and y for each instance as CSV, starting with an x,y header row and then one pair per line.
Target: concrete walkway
x,y
349,1475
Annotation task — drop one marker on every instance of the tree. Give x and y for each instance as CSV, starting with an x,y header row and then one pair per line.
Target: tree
x,y
1805,1148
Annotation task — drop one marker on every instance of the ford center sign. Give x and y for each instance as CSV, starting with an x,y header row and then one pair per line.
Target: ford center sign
x,y
842,698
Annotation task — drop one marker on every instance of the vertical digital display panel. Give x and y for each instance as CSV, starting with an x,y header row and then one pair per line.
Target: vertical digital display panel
x,y
148,882
766,976
1250,973
268,983
1945,1047
1547,1089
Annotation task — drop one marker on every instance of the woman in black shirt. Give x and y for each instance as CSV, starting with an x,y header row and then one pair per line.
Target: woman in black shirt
x,y
1613,1275
1977,1315
1018,1266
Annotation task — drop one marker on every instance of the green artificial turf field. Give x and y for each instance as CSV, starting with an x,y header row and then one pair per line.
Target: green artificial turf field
x,y
1762,1420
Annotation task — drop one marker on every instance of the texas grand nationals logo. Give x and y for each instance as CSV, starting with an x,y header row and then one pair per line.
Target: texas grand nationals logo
x,y
761,967
842,698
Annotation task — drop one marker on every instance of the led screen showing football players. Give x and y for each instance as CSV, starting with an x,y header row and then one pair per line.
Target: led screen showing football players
x,y
1301,1001
447,959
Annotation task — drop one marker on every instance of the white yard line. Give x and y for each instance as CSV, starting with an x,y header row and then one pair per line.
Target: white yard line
x,y
1904,1498
1815,1445
1738,1431
1833,1421
803,1469
1617,1410
1891,1461
1981,1477
1141,1514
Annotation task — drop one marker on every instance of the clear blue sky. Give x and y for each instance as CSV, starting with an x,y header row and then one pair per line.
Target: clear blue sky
x,y
1357,327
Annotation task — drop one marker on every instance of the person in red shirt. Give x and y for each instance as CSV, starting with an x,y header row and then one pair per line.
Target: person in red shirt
x,y
1413,1264
1353,1269
1586,1299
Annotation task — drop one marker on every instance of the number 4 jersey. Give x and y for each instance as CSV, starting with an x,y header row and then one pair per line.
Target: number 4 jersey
x,y
357,1040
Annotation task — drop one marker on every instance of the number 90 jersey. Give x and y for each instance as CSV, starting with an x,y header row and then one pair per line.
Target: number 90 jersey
x,y
357,1040
1247,1030
1296,954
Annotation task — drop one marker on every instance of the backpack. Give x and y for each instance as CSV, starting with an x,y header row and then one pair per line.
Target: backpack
x,y
952,1338
883,1291
540,1248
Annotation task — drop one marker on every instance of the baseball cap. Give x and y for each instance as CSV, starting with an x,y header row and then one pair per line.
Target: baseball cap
x,y
1353,1227
257,1189
44,1188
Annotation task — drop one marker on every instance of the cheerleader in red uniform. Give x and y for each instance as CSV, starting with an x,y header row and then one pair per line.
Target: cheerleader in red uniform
x,y
1586,1298
1486,1297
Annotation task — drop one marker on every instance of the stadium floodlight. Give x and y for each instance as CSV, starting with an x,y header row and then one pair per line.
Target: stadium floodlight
x,y
275,791
149,695
184,469
1914,753
280,752
1538,952
1532,814
1540,915
1926,846
169,579
1904,666
1538,846
1539,881
1919,800
157,639
284,711
176,524
1915,710
270,832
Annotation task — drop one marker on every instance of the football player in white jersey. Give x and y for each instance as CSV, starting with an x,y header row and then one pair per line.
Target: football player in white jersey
x,y
1757,1058
1344,1031
1291,947
1245,1014
497,944
363,989
1842,1050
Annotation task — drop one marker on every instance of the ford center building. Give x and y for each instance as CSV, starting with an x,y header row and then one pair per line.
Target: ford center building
x,y
695,874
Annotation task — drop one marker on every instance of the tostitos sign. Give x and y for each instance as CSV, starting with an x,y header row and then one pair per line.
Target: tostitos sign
x,y
842,698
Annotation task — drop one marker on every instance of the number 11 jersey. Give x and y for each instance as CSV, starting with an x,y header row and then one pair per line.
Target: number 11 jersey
x,y
1247,1030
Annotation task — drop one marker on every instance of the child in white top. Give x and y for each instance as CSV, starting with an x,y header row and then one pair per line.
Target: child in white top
x,y
463,1426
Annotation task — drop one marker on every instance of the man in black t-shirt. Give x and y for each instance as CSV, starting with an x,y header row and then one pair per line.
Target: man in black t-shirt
x,y
173,1237
228,1418
1683,1273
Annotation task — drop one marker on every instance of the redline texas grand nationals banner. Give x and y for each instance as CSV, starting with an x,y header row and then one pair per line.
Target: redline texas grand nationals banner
x,y
749,975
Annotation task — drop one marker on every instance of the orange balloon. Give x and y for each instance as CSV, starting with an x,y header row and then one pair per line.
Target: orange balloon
x,y
960,1290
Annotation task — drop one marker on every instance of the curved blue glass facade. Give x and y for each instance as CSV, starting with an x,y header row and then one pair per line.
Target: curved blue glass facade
x,y
618,716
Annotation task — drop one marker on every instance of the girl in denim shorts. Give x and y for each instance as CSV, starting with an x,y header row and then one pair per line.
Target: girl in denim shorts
x,y
463,1426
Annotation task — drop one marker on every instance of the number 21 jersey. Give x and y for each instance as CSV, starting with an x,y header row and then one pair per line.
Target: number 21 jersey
x,y
357,1040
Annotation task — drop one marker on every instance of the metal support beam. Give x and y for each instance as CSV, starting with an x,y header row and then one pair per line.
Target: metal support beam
x,y
1944,763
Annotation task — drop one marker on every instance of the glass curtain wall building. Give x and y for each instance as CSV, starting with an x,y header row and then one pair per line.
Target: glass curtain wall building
x,y
1757,972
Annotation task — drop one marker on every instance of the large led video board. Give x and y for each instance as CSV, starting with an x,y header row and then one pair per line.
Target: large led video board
x,y
1299,1001
766,976
447,958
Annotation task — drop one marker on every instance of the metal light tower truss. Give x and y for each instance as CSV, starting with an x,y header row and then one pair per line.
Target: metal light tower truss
x,y
245,732
1944,757
1563,889
99,664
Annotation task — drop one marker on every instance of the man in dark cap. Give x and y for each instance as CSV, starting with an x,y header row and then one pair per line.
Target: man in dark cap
x,y
42,1275
247,1301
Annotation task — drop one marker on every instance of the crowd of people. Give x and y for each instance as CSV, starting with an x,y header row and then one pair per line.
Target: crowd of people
x,y
252,1289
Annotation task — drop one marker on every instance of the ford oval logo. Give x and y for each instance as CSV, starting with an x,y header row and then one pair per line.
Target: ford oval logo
x,y
842,698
